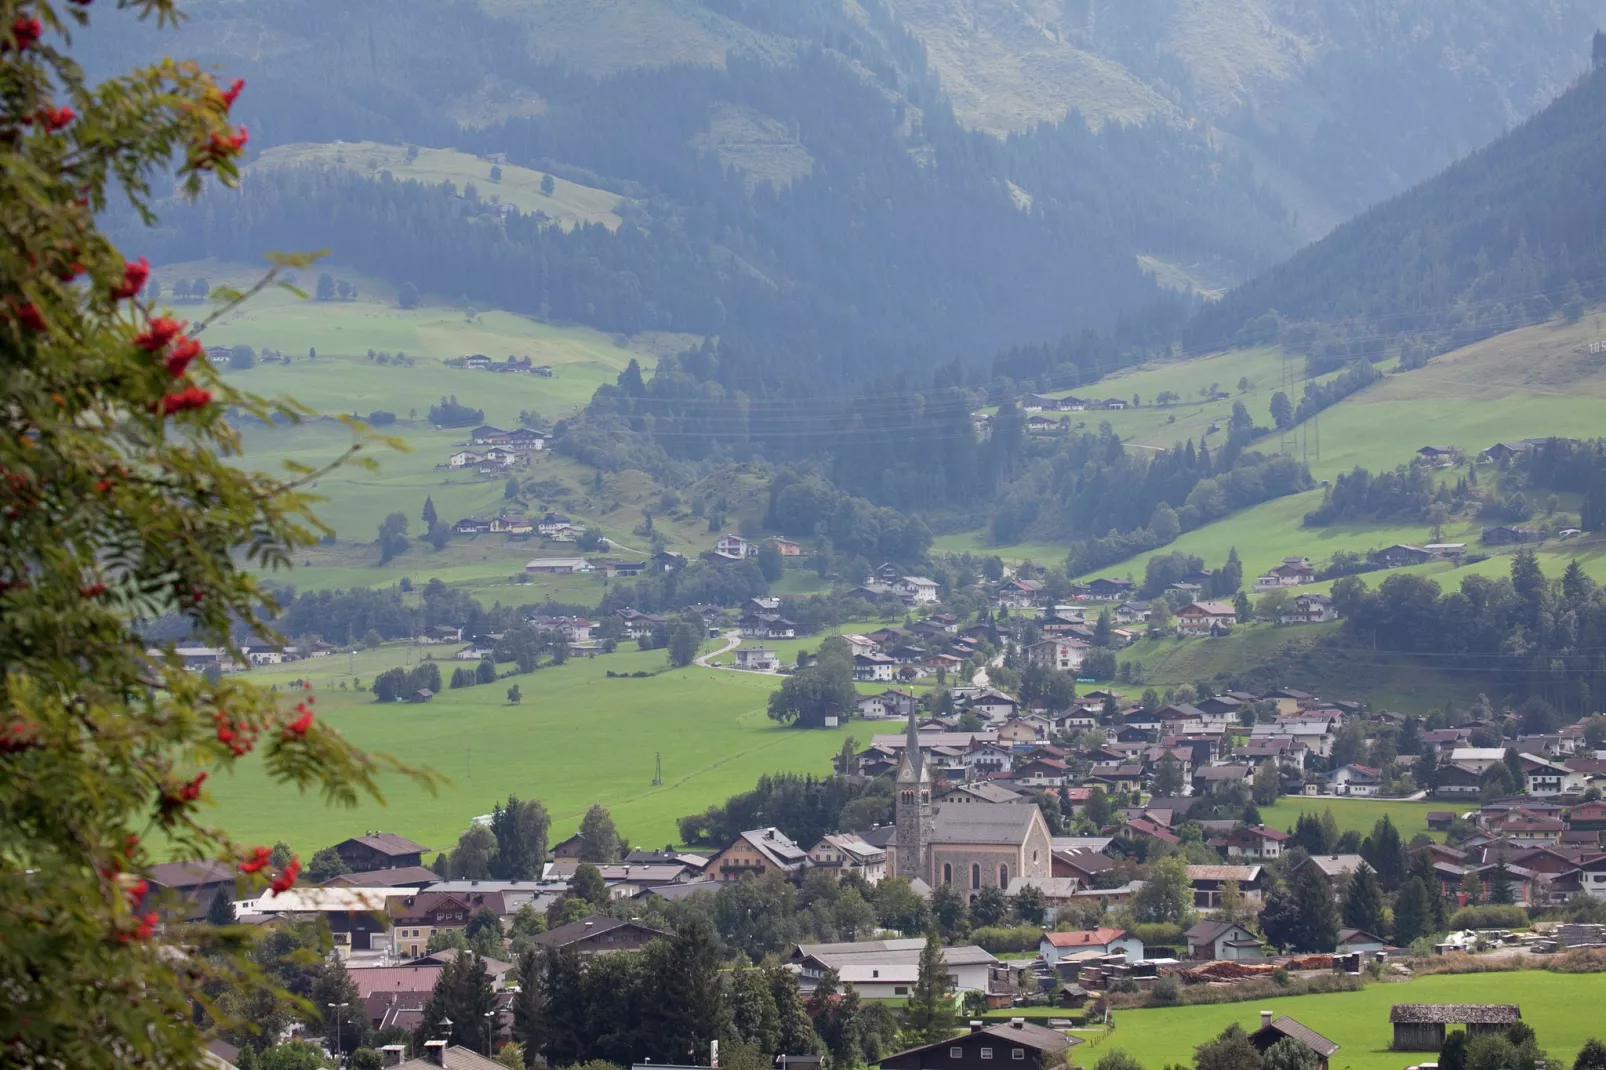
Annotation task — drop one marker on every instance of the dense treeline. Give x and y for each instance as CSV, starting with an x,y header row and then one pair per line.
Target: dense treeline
x,y
1527,634
804,807
1113,503
1502,238
1401,495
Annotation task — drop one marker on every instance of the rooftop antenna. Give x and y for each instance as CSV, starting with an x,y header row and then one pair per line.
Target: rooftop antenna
x,y
657,770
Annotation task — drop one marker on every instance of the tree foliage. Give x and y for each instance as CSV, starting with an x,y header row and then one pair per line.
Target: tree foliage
x,y
124,501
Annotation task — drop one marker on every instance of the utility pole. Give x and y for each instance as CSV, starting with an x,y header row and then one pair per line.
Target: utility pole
x,y
657,770
338,1007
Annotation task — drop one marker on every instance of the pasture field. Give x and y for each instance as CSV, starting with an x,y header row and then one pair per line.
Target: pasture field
x,y
1563,1010
576,738
1535,381
1387,681
1354,815
570,203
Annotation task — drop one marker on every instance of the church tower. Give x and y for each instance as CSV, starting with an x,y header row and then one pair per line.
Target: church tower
x,y
912,809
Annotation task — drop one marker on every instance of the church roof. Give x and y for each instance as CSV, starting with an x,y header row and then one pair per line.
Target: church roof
x,y
997,823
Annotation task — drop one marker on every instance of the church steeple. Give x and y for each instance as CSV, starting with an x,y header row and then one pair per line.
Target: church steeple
x,y
912,769
911,809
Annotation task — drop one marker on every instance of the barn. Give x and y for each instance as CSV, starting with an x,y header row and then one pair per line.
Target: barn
x,y
1421,1026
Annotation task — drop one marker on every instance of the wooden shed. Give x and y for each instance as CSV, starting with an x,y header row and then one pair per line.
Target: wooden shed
x,y
1421,1026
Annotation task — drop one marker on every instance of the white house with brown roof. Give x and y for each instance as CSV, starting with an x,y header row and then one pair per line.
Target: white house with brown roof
x,y
1206,618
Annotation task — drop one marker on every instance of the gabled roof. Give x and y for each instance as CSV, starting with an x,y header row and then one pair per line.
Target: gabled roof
x,y
1337,865
1455,1013
576,931
1098,937
1302,1033
1208,932
388,843
1006,823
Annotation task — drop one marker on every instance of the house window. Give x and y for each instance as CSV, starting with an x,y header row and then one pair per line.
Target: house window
x,y
947,873
975,876
1003,876
956,1053
875,973
986,1053
900,990
1018,1053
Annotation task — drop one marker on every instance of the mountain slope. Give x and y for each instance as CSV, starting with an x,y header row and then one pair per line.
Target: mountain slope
x,y
1502,238
1356,98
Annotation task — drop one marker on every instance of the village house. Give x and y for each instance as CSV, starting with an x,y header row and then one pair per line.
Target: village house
x,y
732,546
758,851
1063,654
488,435
1293,572
874,668
471,525
844,852
1214,940
379,850
1107,590
1017,594
511,524
1356,780
556,526
1275,1030
785,547
757,659
1017,1041
1258,842
1309,609
1206,618
599,934
917,589
1099,939
1209,882
887,704
557,566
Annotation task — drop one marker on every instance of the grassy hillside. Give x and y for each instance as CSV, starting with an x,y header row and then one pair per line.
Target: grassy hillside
x,y
569,203
1557,1006
577,738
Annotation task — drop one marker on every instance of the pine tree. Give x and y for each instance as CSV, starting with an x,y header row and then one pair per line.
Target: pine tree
x,y
529,1004
929,1015
1318,928
462,993
797,1035
334,999
1412,913
220,911
564,1001
1363,903
429,518
1500,884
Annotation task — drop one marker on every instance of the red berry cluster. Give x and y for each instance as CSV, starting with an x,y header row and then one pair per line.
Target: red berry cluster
x,y
298,727
19,736
237,736
184,400
287,876
25,33
144,924
52,119
135,274
257,860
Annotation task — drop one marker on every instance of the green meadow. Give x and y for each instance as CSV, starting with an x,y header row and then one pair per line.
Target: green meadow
x,y
1563,1009
570,203
576,738
1353,815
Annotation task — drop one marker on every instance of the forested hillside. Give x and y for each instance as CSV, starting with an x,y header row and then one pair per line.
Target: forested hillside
x,y
811,198
1508,236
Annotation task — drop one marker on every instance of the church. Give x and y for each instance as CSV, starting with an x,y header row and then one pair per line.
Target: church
x,y
969,846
